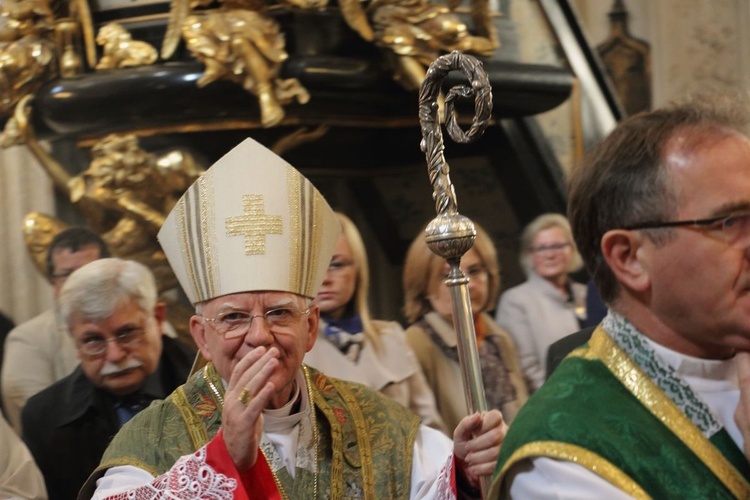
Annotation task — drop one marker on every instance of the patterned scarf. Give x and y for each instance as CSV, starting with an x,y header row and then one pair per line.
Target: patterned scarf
x,y
346,334
630,340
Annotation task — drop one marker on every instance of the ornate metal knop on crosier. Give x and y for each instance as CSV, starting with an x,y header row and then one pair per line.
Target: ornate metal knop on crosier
x,y
450,234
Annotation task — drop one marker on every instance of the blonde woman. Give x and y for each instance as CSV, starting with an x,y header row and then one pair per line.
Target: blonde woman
x,y
353,346
548,305
431,334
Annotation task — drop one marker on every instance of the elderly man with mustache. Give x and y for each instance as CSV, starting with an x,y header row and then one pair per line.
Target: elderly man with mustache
x,y
111,310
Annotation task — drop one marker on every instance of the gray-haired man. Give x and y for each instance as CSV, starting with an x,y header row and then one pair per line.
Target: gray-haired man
x,y
111,310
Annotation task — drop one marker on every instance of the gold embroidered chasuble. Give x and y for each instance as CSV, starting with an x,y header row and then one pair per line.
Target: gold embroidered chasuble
x,y
362,441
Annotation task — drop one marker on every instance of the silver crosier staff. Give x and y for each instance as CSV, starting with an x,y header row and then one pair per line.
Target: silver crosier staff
x,y
450,234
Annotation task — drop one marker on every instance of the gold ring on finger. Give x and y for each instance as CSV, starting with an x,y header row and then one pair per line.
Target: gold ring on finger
x,y
244,396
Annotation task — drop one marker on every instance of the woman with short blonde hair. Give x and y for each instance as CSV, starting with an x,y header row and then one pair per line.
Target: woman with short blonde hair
x,y
548,221
548,305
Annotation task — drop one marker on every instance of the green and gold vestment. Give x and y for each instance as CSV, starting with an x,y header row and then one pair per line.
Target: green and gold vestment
x,y
364,444
601,411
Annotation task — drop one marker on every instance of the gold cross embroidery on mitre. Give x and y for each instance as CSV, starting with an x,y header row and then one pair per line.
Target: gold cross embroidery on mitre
x,y
253,224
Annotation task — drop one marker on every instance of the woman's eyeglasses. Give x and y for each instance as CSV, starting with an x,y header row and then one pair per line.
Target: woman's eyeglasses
x,y
337,266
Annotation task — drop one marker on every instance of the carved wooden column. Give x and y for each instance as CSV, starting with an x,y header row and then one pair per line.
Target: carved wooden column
x,y
628,62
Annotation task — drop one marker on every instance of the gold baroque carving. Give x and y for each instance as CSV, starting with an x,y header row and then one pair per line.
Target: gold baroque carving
x,y
26,53
245,46
120,50
239,41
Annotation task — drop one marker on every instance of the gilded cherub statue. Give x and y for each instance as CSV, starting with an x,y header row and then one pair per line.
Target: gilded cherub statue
x,y
240,42
119,50
125,194
415,32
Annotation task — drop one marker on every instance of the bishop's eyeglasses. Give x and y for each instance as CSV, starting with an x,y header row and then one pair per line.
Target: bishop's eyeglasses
x,y
234,324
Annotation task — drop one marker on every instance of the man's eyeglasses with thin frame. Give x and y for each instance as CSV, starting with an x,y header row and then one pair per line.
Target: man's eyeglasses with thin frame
x,y
235,323
732,227
96,346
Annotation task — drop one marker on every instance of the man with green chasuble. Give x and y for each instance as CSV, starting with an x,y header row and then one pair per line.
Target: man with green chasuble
x,y
250,242
661,214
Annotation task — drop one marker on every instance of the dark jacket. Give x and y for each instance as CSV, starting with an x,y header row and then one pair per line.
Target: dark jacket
x,y
557,351
68,426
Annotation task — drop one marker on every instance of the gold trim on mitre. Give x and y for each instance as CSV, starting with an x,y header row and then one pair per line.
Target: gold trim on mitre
x,y
251,222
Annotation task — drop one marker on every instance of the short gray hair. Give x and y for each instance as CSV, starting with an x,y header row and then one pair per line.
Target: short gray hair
x,y
97,289
547,221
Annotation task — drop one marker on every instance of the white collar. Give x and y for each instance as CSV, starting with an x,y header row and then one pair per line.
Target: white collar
x,y
691,367
280,419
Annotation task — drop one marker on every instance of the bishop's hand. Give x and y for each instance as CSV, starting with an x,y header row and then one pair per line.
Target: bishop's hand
x,y
247,395
476,444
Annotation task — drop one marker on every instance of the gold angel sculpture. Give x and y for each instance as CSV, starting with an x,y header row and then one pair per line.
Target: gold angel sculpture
x,y
125,194
415,32
240,42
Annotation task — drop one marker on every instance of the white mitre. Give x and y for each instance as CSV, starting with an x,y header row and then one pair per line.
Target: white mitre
x,y
251,222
